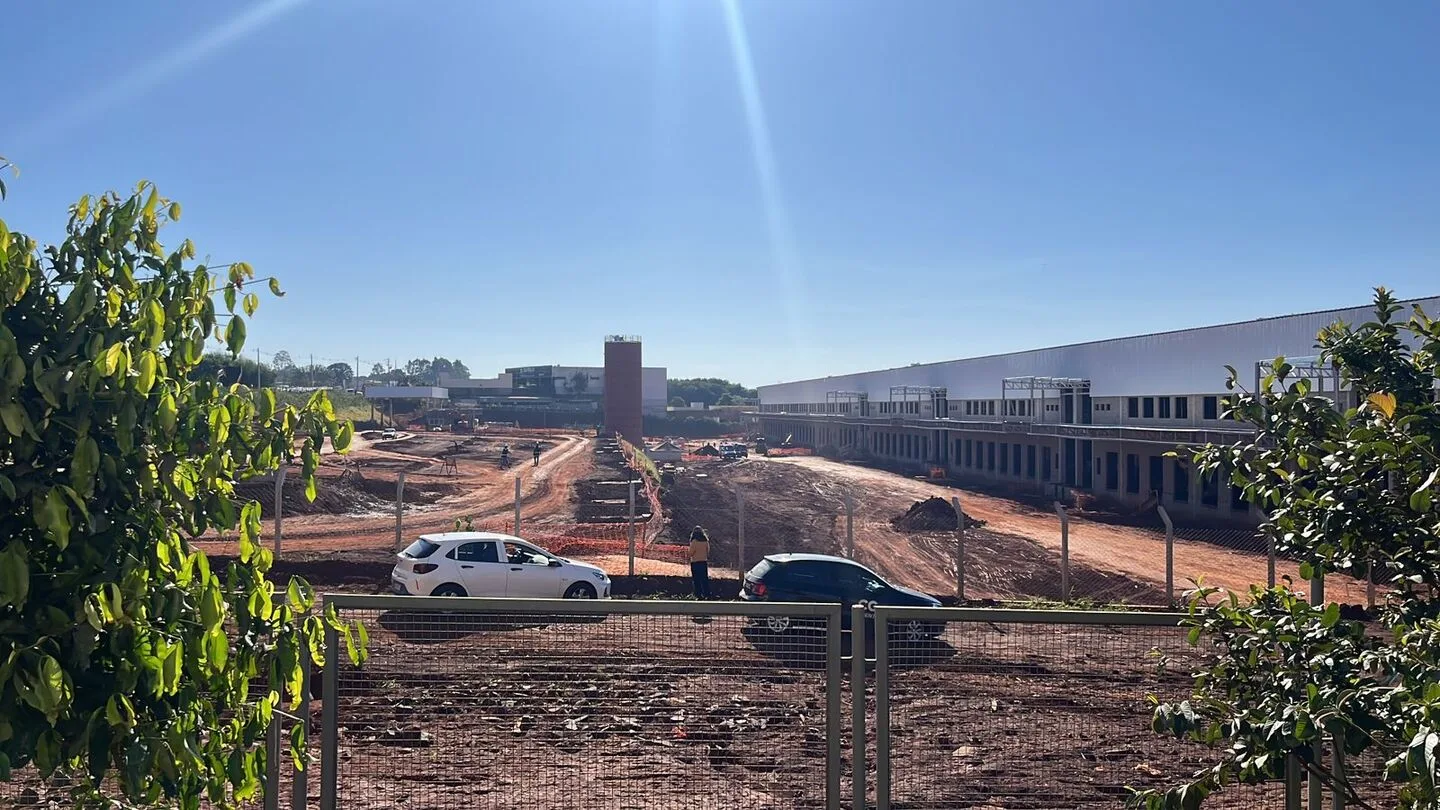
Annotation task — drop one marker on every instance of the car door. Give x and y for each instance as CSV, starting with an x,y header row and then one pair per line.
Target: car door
x,y
528,573
480,569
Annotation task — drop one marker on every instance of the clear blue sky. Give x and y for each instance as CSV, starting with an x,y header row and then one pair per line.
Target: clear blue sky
x,y
798,188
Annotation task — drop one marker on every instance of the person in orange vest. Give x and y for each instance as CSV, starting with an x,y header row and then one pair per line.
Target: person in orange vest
x,y
700,562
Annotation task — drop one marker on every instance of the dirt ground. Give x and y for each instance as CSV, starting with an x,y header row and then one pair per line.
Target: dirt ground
x,y
798,504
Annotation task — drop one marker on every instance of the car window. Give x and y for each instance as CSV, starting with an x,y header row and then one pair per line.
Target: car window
x,y
483,551
857,581
517,554
420,549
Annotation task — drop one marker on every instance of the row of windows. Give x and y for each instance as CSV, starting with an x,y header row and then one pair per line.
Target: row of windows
x,y
887,408
1020,460
1155,480
1154,407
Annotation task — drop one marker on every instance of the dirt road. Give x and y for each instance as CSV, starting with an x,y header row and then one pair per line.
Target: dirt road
x,y
1135,554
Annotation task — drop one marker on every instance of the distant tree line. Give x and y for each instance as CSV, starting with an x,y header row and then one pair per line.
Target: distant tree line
x,y
283,371
709,390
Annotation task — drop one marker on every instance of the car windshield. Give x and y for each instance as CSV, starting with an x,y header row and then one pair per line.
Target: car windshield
x,y
420,549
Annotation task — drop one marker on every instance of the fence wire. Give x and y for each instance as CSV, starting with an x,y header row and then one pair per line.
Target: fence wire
x,y
587,710
1025,715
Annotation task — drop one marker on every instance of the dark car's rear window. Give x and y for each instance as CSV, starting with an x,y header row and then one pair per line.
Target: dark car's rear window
x,y
420,549
761,569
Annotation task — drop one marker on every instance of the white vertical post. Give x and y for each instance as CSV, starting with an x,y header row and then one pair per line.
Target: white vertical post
x,y
517,506
630,526
279,507
1269,553
1315,789
959,548
399,509
1064,552
849,526
740,533
1169,556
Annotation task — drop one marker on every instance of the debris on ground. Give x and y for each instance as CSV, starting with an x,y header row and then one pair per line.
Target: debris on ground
x,y
708,450
932,515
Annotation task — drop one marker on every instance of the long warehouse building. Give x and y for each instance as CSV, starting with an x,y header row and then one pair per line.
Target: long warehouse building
x,y
1095,417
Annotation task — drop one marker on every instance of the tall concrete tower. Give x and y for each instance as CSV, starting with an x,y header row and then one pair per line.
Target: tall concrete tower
x,y
623,388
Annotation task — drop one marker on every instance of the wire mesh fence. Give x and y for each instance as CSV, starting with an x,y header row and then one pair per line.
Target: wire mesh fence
x,y
1027,709
506,704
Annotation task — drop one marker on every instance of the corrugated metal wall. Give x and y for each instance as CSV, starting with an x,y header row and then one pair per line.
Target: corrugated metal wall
x,y
1187,362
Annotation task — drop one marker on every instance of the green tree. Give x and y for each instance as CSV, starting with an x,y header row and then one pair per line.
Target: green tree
x,y
708,390
678,402
338,373
226,368
127,666
1347,492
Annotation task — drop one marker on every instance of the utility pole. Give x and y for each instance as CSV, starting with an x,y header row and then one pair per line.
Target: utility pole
x,y
312,369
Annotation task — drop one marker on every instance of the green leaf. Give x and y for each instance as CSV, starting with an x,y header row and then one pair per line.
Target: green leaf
x,y
1384,403
1307,571
1331,615
84,465
219,425
174,211
275,288
13,415
235,334
344,434
14,575
229,296
167,414
148,366
7,488
266,408
52,515
250,303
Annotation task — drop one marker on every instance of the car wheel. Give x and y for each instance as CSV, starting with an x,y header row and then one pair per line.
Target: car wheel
x,y
449,589
580,590
777,624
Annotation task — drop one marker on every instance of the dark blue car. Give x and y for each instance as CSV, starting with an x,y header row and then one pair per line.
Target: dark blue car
x,y
823,578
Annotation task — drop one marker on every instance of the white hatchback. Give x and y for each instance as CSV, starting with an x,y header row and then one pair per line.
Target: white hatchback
x,y
492,564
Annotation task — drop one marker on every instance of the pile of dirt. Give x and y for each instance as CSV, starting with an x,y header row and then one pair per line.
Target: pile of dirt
x,y
346,495
932,515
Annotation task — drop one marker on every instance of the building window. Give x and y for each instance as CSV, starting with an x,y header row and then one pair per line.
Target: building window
x,y
1182,407
967,408
1030,461
1149,407
1045,463
1237,500
1132,407
1210,408
1004,458
1015,459
1132,473
1157,475
1112,471
1164,407
1209,491
990,456
1182,483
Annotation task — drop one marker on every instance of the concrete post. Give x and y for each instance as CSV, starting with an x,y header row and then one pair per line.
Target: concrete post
x,y
1269,554
399,510
1169,556
517,506
1315,789
279,508
849,526
959,548
630,526
740,532
1064,552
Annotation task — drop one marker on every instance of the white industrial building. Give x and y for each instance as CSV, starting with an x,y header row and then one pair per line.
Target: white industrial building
x,y
1095,417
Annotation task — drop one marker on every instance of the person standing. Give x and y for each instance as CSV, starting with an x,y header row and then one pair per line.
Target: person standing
x,y
537,454
700,562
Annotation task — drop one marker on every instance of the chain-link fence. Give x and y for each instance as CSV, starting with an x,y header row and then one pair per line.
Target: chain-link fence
x,y
1012,549
1032,709
548,704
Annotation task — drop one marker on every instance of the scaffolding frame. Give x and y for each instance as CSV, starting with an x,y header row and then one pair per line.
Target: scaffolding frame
x,y
847,398
1032,383
1313,367
937,394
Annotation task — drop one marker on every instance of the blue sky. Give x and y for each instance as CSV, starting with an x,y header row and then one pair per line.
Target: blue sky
x,y
764,191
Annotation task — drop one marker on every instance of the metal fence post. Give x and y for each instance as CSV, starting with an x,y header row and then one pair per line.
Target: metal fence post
x,y
849,526
1337,768
1269,552
399,510
630,526
1315,789
1169,556
279,507
330,723
858,644
272,762
300,785
959,548
882,710
517,506
1064,552
740,531
1292,783
834,674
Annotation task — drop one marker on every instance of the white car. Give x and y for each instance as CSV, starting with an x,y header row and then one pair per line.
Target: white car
x,y
491,564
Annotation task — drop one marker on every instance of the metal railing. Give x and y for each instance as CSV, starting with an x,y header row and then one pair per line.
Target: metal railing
x,y
544,703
